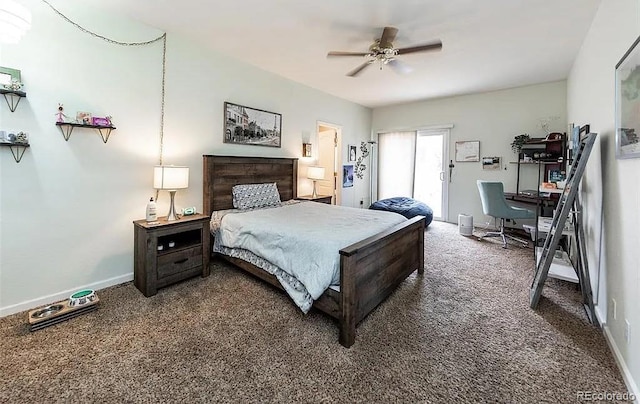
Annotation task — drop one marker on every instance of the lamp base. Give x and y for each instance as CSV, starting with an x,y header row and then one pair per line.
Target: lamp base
x,y
314,194
172,208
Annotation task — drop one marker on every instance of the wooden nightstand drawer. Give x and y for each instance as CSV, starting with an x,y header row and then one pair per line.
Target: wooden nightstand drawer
x,y
179,261
167,252
320,198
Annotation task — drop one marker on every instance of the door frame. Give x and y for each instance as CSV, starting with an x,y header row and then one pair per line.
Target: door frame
x,y
446,134
321,126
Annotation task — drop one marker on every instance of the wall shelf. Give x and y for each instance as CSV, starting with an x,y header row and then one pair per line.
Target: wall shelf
x,y
67,128
561,266
17,149
12,97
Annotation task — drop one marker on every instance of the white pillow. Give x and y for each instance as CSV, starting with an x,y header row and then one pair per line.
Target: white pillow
x,y
247,196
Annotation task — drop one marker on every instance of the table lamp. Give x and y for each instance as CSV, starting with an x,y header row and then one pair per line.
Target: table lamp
x,y
171,178
315,173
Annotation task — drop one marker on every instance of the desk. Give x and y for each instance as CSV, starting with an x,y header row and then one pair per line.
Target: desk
x,y
544,204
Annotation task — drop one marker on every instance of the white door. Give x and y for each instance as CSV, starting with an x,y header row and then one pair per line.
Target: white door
x,y
328,140
430,175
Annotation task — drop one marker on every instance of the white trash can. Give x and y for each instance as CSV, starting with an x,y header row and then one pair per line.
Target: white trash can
x,y
465,224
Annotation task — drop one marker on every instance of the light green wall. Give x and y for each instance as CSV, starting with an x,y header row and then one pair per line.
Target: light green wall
x,y
66,210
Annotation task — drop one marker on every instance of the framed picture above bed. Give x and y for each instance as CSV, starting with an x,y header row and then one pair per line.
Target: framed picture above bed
x,y
251,126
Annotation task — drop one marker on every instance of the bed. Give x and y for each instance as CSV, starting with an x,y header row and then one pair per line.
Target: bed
x,y
370,269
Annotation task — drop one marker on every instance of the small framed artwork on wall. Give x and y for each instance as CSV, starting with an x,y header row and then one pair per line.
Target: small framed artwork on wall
x,y
491,163
347,176
306,150
353,152
468,151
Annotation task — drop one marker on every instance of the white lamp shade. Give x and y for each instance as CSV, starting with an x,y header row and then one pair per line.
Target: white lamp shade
x,y
15,20
170,177
315,173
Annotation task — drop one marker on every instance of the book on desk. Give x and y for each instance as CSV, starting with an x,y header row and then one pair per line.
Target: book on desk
x,y
534,193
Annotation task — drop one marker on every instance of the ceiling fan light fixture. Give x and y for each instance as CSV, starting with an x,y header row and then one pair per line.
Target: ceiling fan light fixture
x,y
383,52
381,55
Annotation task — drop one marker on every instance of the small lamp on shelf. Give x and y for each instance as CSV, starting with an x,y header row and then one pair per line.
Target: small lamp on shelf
x,y
171,178
315,173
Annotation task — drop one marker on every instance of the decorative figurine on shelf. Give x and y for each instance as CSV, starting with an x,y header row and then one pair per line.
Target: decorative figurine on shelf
x,y
22,137
15,85
60,116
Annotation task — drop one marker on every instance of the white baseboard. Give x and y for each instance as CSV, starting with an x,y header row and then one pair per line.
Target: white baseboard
x,y
601,319
622,365
41,301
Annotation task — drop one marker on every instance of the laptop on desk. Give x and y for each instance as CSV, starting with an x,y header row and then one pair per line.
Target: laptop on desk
x,y
529,192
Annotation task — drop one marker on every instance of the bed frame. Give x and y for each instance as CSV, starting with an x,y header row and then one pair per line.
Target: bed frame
x,y
369,270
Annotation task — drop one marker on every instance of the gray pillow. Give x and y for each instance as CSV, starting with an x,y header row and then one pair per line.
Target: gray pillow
x,y
247,196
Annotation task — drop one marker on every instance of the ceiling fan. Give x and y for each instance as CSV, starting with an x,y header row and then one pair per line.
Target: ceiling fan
x,y
383,52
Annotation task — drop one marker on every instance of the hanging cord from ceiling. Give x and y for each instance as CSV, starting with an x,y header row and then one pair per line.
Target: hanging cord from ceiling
x,y
162,38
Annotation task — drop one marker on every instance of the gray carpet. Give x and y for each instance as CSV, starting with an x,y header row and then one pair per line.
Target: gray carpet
x,y
463,332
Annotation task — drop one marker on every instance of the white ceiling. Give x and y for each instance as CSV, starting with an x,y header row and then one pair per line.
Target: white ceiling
x,y
487,44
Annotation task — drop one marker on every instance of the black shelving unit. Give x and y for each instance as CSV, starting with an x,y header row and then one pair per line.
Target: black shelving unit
x,y
545,154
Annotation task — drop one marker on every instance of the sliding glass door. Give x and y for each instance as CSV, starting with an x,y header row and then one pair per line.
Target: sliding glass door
x,y
396,153
414,164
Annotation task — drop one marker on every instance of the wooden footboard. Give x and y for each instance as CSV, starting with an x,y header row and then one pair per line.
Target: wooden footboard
x,y
372,268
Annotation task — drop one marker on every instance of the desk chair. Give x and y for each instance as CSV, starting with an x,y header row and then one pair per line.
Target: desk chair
x,y
494,204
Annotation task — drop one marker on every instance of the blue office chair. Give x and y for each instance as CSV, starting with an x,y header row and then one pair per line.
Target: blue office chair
x,y
494,204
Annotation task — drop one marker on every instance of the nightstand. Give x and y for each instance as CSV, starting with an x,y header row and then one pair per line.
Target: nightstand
x,y
169,252
320,198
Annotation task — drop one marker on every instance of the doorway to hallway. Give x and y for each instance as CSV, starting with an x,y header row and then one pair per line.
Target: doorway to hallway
x,y
329,140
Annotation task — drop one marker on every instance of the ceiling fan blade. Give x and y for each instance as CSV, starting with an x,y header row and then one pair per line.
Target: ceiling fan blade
x,y
339,53
388,36
421,48
400,67
359,69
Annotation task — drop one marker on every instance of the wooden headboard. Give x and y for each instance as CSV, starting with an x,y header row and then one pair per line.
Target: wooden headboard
x,y
221,173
